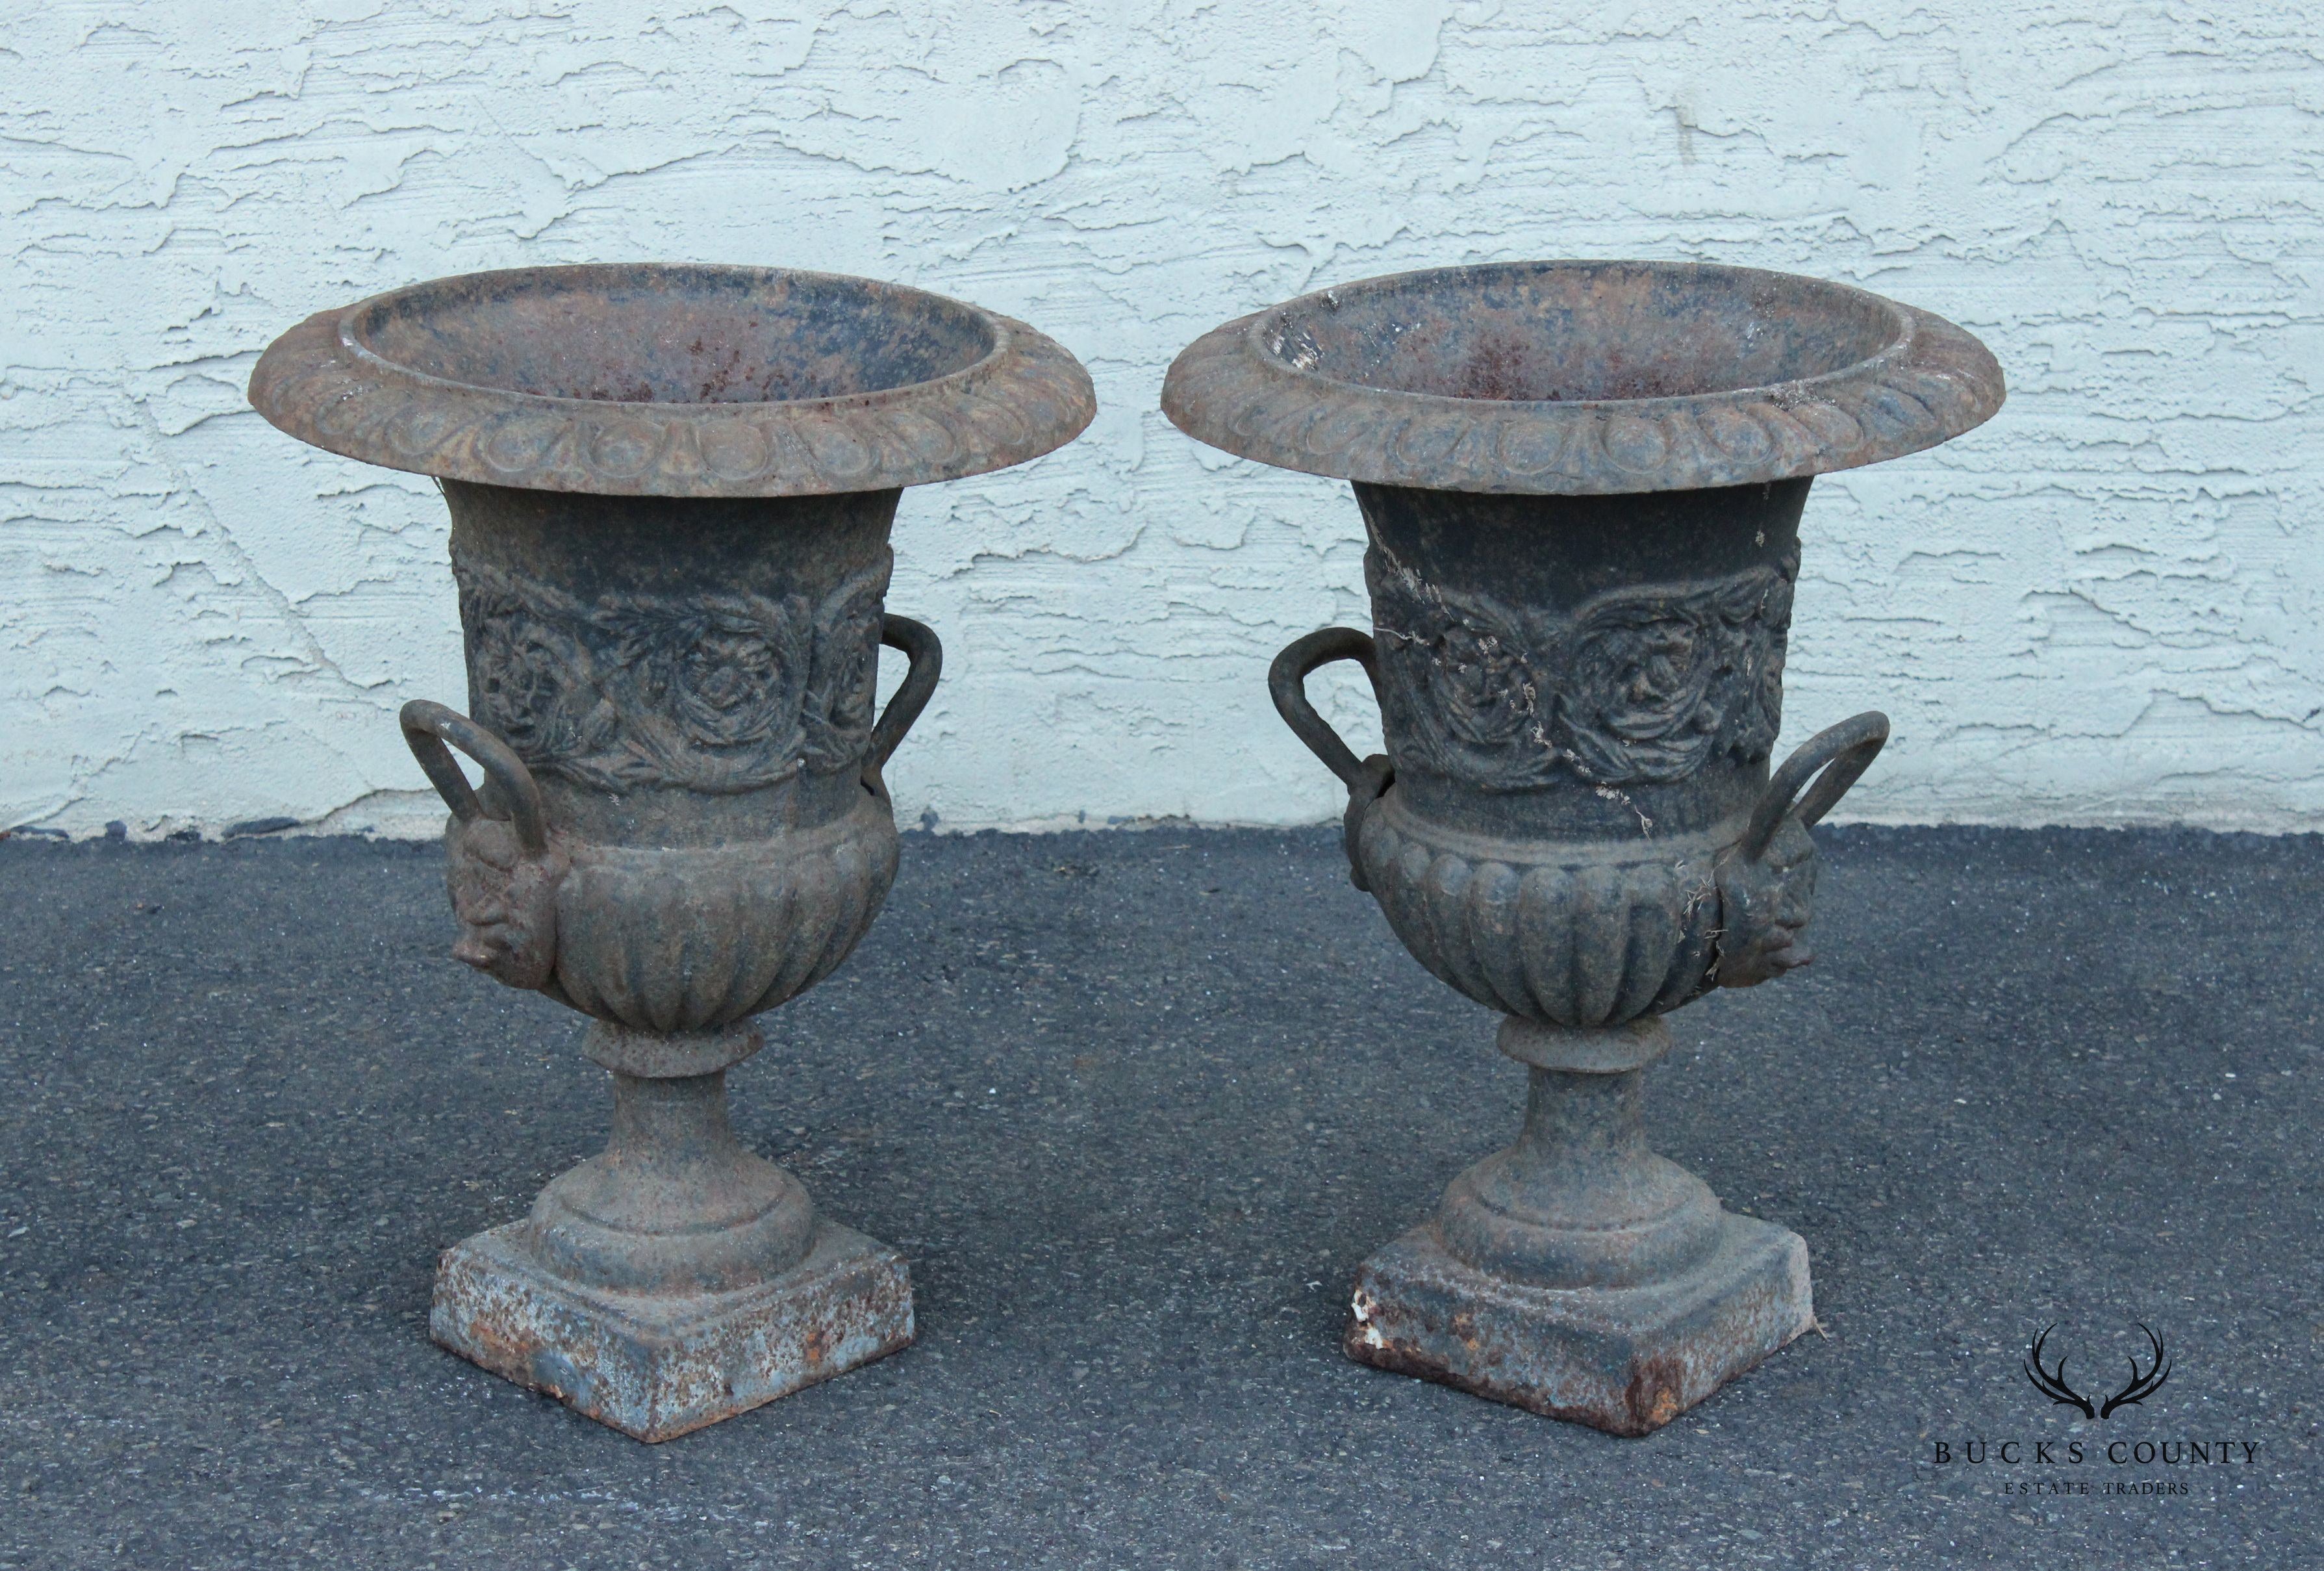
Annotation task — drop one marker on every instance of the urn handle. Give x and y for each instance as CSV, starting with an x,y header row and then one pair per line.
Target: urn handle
x,y
1286,684
1368,779
920,645
1815,778
429,727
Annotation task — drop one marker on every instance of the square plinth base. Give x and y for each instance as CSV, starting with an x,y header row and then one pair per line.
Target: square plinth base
x,y
658,1366
1624,1360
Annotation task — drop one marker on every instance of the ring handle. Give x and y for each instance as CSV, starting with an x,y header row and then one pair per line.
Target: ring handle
x,y
919,644
1286,684
1833,760
429,727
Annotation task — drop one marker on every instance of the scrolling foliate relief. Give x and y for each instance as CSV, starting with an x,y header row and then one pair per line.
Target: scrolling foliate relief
x,y
1634,687
719,692
844,672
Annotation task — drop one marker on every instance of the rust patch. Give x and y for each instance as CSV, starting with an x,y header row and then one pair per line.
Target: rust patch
x,y
1653,1397
1625,1361
658,1366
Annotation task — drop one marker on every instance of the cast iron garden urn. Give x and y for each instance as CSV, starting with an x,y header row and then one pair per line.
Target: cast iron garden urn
x,y
671,489
1581,483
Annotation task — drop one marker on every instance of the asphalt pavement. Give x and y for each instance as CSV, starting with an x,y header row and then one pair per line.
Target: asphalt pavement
x,y
1134,1104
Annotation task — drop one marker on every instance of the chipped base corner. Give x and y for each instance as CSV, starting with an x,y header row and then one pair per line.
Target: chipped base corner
x,y
1624,1359
657,1367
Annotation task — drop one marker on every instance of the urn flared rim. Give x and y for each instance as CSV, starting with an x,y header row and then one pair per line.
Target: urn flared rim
x,y
650,379
1581,378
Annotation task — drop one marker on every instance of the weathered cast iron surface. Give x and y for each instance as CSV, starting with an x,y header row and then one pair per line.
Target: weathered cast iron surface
x,y
1624,1359
1581,378
645,380
671,492
1582,483
657,1369
1578,1273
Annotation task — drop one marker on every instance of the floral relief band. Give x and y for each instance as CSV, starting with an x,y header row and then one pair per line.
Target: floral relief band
x,y
1635,686
718,693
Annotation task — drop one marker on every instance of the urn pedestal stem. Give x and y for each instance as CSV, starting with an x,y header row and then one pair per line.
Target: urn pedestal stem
x,y
1578,1273
652,1117
677,1277
675,1203
1579,1200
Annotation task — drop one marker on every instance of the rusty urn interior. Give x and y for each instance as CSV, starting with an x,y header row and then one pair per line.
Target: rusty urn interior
x,y
1579,378
677,381
1581,486
1581,334
671,491
673,335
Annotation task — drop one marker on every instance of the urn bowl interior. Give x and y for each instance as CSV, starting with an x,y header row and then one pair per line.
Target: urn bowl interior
x,y
1581,331
673,335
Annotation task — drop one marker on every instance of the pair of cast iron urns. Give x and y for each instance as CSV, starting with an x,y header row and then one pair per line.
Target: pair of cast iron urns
x,y
671,489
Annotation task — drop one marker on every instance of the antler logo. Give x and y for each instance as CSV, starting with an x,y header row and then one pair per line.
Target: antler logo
x,y
2052,1384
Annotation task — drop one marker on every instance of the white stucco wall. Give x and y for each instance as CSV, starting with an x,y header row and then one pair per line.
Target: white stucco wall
x,y
2106,606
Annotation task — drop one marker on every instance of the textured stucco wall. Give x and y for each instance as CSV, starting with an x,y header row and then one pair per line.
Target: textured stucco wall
x,y
2104,606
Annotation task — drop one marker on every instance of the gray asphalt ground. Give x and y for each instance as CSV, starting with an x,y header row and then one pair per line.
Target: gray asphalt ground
x,y
1134,1104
